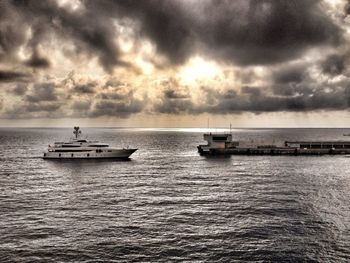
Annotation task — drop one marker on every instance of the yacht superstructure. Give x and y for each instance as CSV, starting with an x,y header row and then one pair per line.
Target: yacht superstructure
x,y
79,148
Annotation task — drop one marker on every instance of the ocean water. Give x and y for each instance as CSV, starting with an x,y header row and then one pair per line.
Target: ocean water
x,y
169,204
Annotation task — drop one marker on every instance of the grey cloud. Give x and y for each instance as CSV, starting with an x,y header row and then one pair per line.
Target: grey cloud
x,y
12,31
44,106
20,89
117,109
47,99
292,89
37,61
112,95
85,88
42,92
253,91
114,90
113,83
253,99
174,106
175,94
81,105
327,99
334,64
347,8
33,110
290,74
174,99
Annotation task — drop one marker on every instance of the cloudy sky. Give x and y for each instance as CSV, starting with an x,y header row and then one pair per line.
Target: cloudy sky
x,y
175,63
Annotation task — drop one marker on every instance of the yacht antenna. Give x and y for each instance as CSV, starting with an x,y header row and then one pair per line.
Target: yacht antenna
x,y
76,131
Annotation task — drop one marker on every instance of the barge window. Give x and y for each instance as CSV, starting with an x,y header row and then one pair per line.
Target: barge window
x,y
316,146
219,138
338,146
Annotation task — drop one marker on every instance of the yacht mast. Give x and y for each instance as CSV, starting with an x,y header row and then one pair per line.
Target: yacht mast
x,y
76,131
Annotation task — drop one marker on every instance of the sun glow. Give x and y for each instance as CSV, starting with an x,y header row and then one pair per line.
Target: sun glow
x,y
198,69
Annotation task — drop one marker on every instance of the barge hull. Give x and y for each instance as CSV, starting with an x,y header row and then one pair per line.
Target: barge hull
x,y
273,151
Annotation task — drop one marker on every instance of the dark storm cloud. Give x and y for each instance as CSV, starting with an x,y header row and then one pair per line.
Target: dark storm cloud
x,y
12,32
164,22
241,32
244,31
334,64
268,31
13,76
89,31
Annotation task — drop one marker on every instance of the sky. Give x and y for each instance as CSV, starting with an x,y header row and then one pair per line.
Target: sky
x,y
175,63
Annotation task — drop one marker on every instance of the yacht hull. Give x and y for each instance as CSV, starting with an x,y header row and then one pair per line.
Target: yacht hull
x,y
111,154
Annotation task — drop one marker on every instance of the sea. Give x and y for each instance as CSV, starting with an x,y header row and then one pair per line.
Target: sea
x,y
168,203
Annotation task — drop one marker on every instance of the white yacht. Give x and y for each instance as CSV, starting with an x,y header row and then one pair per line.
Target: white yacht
x,y
78,148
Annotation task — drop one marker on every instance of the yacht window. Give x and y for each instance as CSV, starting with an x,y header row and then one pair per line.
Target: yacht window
x,y
72,154
59,155
88,155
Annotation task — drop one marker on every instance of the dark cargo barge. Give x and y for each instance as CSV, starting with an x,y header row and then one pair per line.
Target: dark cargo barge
x,y
222,144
